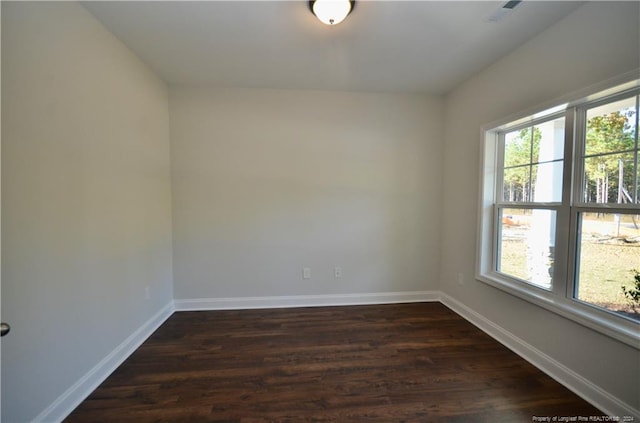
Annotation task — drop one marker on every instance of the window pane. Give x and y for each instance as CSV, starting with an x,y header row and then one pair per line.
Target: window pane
x,y
611,127
609,253
550,145
547,182
602,174
526,245
517,148
516,184
533,163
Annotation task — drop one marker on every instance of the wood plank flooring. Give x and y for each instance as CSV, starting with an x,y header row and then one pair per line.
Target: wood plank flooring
x,y
416,362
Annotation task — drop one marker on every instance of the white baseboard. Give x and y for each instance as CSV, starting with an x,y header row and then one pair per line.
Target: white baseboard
x,y
72,397
305,300
593,394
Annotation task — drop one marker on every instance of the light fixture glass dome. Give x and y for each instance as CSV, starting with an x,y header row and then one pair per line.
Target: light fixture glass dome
x,y
331,12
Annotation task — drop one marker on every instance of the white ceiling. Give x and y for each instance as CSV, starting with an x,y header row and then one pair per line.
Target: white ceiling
x,y
383,46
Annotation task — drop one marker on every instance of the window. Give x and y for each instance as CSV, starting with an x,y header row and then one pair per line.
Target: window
x,y
531,164
560,210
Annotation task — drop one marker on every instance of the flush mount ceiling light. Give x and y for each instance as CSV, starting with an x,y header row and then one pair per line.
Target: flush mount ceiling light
x,y
331,12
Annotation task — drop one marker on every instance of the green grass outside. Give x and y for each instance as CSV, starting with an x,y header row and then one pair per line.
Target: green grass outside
x,y
605,268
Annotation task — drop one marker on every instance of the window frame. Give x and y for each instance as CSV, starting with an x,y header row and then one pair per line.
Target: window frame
x,y
560,298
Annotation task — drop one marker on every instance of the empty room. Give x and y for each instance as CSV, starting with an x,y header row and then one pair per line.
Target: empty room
x,y
320,211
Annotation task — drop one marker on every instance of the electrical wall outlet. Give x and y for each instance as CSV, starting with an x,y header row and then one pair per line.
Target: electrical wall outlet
x,y
337,272
306,273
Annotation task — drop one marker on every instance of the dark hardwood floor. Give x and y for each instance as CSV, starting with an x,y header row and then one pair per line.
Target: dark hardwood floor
x,y
385,363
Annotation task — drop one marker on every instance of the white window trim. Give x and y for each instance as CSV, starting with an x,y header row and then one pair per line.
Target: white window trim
x,y
562,304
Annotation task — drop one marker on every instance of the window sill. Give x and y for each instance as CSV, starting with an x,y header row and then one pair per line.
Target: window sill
x,y
618,328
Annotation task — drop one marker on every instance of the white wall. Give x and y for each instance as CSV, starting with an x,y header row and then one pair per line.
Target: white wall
x,y
86,209
266,182
596,42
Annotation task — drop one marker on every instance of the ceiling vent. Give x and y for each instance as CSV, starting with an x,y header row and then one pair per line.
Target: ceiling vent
x,y
503,12
512,4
